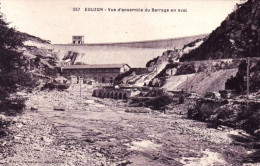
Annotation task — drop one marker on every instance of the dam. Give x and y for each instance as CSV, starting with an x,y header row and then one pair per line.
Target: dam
x,y
136,54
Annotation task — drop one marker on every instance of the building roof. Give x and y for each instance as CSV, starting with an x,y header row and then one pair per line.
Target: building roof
x,y
95,66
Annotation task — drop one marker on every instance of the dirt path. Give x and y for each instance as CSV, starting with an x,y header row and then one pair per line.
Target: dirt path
x,y
93,131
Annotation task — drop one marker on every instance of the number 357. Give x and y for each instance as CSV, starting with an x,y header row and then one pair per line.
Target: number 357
x,y
76,9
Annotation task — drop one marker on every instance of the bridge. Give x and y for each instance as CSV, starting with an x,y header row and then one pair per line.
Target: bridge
x,y
112,93
119,93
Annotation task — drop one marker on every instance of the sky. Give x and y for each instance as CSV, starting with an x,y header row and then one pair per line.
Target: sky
x,y
56,21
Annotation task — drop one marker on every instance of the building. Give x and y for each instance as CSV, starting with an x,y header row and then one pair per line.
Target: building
x,y
139,71
78,39
102,73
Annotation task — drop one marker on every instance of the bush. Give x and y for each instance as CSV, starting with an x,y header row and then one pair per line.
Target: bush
x,y
203,109
235,115
148,64
52,86
249,118
238,82
4,127
181,99
186,69
156,100
13,106
159,103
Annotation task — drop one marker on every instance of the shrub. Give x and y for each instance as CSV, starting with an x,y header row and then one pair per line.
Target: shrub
x,y
13,106
156,100
57,86
4,127
148,64
186,69
181,99
159,103
238,82
204,108
235,115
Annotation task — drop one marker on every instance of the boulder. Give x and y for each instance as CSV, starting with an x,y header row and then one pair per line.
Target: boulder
x,y
57,108
33,108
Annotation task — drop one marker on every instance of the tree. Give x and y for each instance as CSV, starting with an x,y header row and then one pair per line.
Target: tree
x,y
11,63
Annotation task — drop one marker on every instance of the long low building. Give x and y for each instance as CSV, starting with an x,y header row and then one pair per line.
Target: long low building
x,y
102,73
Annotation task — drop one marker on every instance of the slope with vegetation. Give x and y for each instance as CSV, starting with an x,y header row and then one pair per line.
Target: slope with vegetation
x,y
237,36
238,82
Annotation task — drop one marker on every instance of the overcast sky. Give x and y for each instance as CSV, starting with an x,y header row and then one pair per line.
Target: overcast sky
x,y
54,20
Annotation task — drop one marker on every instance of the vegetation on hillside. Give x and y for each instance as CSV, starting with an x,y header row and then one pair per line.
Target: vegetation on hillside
x,y
153,61
238,36
188,68
238,82
236,115
24,37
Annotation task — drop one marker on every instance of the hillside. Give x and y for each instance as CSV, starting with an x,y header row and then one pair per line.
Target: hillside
x,y
40,60
238,36
26,37
200,82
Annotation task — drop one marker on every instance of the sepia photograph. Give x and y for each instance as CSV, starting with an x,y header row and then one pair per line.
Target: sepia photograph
x,y
130,83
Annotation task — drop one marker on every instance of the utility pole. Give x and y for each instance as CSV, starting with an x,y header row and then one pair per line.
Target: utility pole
x,y
210,64
247,80
97,75
80,87
155,64
187,85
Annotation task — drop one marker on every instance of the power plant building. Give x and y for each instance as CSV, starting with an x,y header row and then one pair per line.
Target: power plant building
x,y
102,73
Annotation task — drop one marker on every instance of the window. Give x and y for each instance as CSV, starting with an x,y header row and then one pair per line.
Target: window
x,y
103,80
111,80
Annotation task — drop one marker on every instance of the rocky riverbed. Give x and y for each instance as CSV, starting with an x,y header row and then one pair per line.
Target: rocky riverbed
x,y
64,128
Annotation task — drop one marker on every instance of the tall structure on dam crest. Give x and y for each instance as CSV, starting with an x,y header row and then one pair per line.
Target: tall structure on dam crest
x,y
77,39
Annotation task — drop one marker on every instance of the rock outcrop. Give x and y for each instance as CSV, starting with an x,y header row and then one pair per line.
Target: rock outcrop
x,y
238,36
